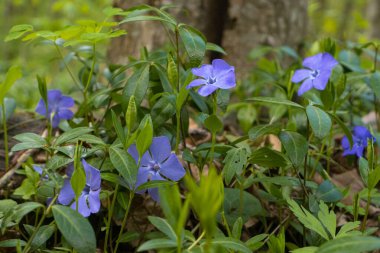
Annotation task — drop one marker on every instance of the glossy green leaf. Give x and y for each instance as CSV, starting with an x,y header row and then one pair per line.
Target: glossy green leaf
x,y
237,227
213,123
194,43
42,235
72,134
14,73
23,209
75,228
260,130
129,236
231,243
118,128
350,244
18,31
156,244
214,47
295,145
328,192
320,121
10,107
131,114
154,184
267,157
12,243
234,163
145,137
275,101
163,109
163,226
137,84
124,164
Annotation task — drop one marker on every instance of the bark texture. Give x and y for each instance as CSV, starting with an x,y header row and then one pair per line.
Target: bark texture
x,y
237,25
374,17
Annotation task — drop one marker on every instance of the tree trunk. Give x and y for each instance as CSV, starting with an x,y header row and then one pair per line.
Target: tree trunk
x,y
238,26
374,18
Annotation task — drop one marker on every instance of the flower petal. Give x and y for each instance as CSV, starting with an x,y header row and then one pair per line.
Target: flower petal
x,y
153,192
221,67
83,208
362,133
313,62
94,201
300,75
145,159
328,61
204,71
38,169
55,121
321,81
41,108
65,113
195,83
172,168
54,96
359,151
207,90
143,175
345,143
226,81
92,176
305,86
66,195
66,101
160,148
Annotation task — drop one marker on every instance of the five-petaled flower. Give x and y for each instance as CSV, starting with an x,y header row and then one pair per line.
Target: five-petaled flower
x,y
213,76
58,107
317,74
359,137
158,163
88,201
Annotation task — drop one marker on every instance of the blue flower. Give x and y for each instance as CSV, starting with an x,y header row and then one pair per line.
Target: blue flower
x,y
88,201
360,136
317,72
158,163
58,107
213,76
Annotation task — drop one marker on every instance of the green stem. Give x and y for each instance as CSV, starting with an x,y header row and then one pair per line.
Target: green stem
x,y
213,134
91,73
5,136
364,223
131,195
28,244
67,67
196,241
178,133
110,213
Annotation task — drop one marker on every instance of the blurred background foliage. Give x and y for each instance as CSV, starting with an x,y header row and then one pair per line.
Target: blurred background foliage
x,y
345,20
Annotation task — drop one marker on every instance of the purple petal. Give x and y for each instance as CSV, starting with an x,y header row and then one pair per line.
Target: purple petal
x,y
83,208
70,169
195,83
221,67
153,192
160,148
94,201
305,86
41,108
38,169
362,132
145,159
66,101
359,151
172,168
204,71
345,143
54,96
321,81
143,175
92,175
349,152
55,121
66,195
64,113
313,62
328,61
300,75
227,81
207,90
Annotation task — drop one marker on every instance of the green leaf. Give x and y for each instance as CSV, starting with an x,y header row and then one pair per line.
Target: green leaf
x,y
110,177
72,134
295,145
364,170
11,77
307,219
327,218
125,165
18,31
129,236
137,84
236,229
75,228
163,109
234,163
275,101
163,226
78,179
30,137
260,130
194,43
255,242
310,249
6,205
12,243
131,114
154,184
320,121
213,123
57,162
10,106
42,235
42,87
157,244
181,98
267,157
327,192
350,244
23,209
118,128
27,189
374,82
172,72
145,137
345,129
347,228
231,243
214,47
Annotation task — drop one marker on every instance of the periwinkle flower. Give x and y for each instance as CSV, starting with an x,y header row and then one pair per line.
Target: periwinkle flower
x,y
317,72
360,138
158,163
213,76
58,107
88,201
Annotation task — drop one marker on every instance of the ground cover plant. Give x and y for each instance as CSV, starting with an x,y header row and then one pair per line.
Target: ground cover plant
x,y
117,167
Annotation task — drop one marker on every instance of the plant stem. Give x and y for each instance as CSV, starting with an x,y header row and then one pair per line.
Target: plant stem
x,y
178,133
364,223
131,195
91,73
110,213
27,246
5,136
213,134
197,241
67,67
